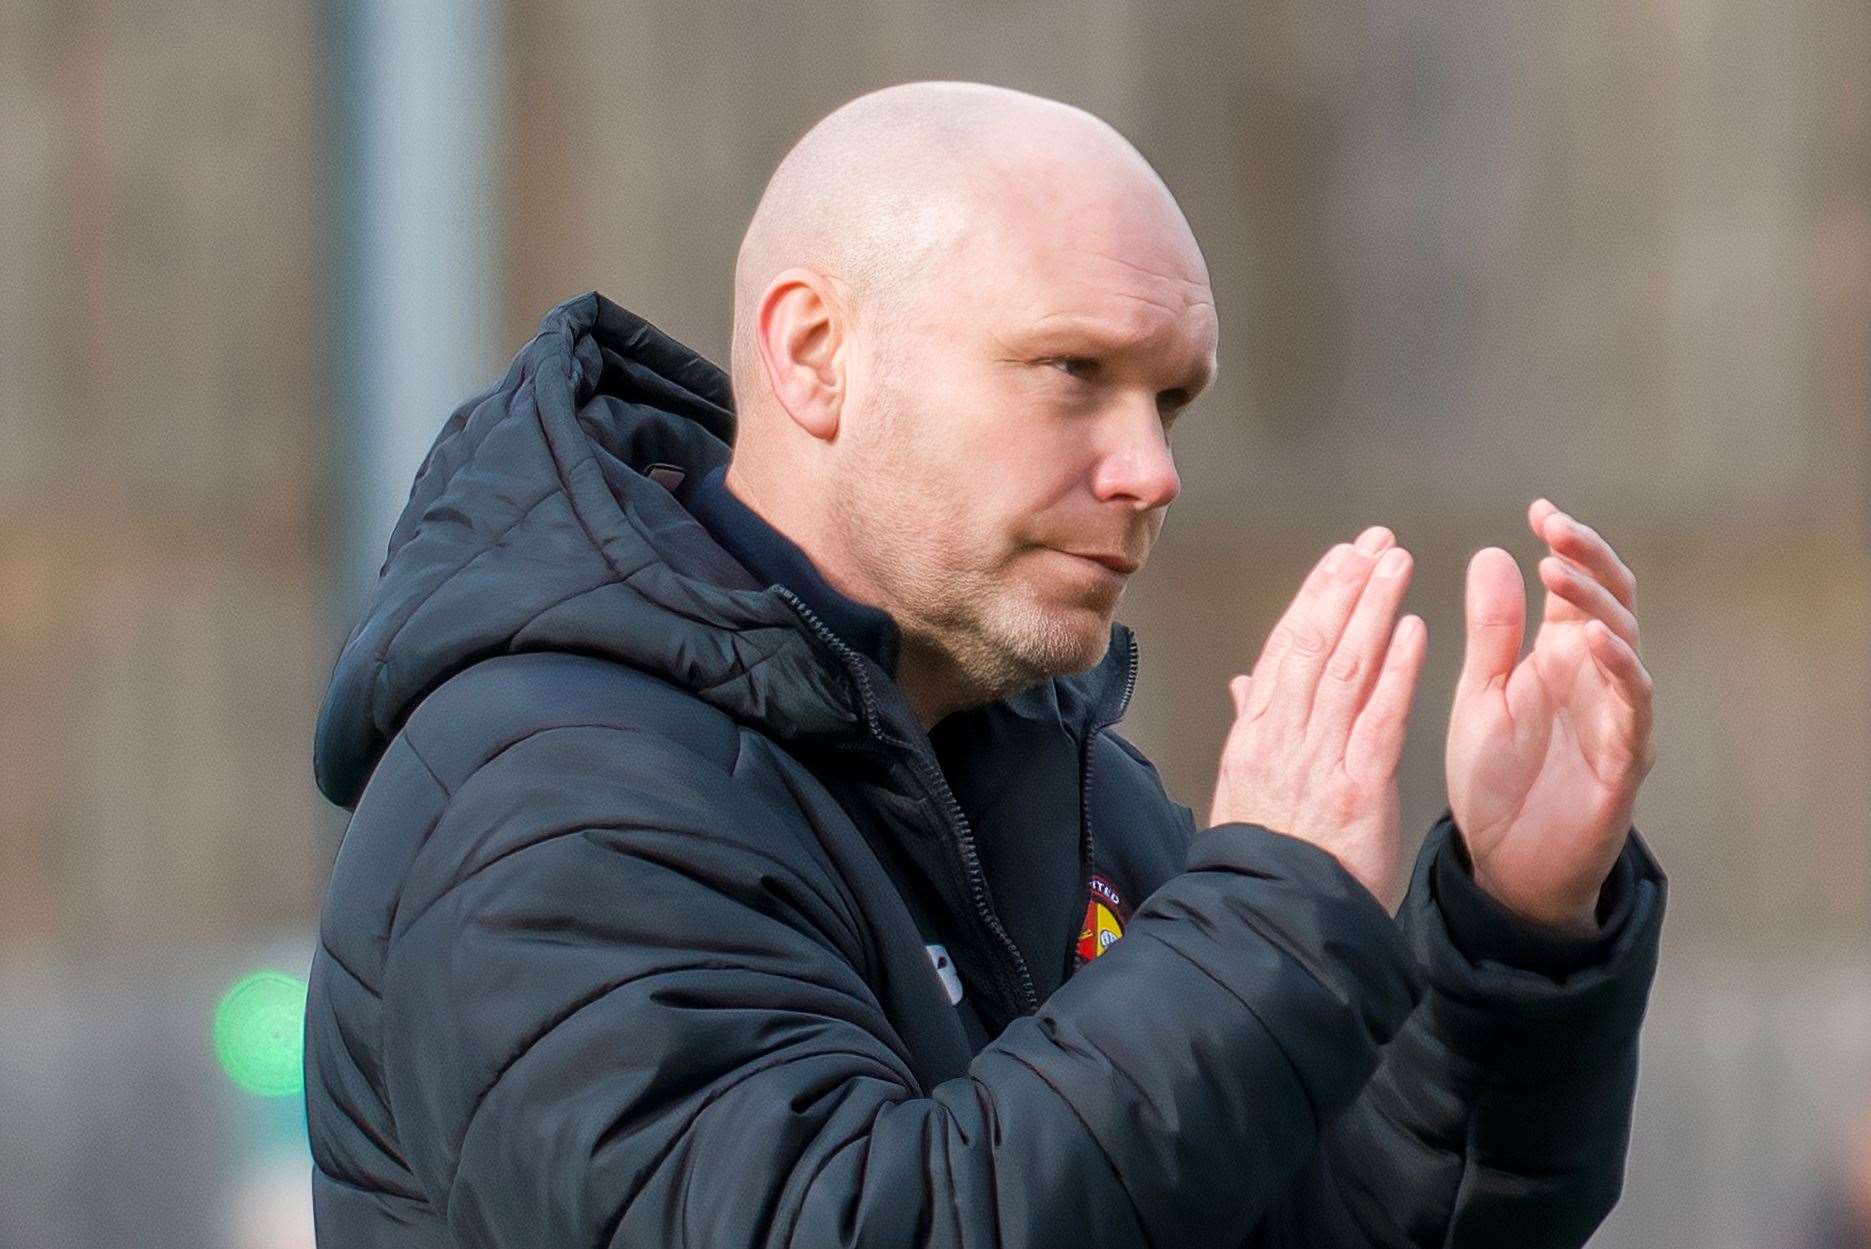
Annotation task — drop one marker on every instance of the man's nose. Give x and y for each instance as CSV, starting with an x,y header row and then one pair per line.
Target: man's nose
x,y
1139,467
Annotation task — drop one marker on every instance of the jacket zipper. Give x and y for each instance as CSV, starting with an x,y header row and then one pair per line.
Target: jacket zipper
x,y
1026,998
1086,846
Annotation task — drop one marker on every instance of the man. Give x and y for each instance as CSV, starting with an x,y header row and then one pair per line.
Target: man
x,y
742,854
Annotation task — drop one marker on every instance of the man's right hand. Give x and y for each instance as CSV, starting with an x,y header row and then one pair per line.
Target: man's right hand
x,y
1319,725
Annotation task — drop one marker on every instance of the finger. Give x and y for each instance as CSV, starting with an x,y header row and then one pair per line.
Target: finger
x,y
1265,686
1259,693
1571,538
1495,611
1589,596
1313,628
1376,540
1237,690
1376,741
1630,682
1359,656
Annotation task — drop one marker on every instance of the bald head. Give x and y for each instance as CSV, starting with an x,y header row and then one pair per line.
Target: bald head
x,y
965,319
881,196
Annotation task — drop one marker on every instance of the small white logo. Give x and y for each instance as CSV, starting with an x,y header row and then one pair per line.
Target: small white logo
x,y
945,968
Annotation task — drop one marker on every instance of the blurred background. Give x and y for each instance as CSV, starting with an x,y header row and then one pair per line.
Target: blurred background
x,y
1464,253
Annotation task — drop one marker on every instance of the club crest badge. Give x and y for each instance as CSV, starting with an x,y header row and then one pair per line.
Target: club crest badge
x,y
1105,917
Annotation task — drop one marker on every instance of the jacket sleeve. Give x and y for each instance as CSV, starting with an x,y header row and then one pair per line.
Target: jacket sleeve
x,y
1501,1112
652,1028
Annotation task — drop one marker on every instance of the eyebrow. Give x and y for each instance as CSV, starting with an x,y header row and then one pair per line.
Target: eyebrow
x,y
1089,339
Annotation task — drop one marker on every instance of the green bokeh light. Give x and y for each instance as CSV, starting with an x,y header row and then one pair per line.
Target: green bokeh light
x,y
259,1033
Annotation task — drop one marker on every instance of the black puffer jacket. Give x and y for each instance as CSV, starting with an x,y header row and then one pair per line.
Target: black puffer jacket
x,y
628,939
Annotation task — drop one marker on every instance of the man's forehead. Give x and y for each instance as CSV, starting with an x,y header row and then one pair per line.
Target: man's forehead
x,y
1120,271
1082,264
1075,303
1124,326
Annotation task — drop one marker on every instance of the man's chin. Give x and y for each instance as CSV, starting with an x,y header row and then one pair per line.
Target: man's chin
x,y
1075,640
1038,635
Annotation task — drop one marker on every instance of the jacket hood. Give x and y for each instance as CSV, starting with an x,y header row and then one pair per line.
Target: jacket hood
x,y
546,516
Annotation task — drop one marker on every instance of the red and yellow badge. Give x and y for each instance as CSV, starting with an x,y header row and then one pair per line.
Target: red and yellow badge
x,y
1105,914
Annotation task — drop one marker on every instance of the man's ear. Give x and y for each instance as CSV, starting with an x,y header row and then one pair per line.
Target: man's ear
x,y
802,331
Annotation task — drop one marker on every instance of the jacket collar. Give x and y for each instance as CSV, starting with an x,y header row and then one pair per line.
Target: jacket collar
x,y
776,559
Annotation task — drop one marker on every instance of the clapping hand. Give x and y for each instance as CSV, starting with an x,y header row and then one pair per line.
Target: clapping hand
x,y
1320,722
1545,755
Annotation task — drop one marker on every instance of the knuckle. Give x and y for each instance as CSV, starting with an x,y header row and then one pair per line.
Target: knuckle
x,y
1345,800
1345,667
1328,567
1306,640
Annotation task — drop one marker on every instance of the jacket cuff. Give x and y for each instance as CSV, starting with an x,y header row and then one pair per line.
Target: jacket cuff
x,y
1515,1023
1308,903
1484,928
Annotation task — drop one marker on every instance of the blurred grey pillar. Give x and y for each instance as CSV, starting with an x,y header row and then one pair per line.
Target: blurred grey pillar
x,y
416,109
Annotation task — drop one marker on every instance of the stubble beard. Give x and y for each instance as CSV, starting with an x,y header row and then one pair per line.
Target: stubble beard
x,y
911,538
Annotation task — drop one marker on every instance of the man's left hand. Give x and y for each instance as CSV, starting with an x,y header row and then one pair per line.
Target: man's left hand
x,y
1545,755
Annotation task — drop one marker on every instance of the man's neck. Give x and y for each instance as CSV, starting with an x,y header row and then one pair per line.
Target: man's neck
x,y
932,683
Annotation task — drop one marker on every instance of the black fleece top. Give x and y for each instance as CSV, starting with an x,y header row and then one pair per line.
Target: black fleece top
x,y
1481,926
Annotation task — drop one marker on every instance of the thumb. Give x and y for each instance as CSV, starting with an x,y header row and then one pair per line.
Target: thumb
x,y
1496,610
1237,690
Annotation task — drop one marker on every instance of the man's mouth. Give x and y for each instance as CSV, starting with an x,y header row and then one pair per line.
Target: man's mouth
x,y
1122,565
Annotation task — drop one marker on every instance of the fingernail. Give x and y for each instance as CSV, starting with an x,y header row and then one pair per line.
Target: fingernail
x,y
1371,539
1392,563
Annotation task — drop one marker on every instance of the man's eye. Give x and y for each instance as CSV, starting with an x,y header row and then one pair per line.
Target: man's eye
x,y
1068,365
